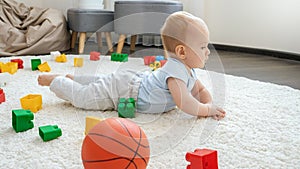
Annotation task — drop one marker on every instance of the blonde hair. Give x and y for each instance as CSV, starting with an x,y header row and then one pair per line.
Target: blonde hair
x,y
175,29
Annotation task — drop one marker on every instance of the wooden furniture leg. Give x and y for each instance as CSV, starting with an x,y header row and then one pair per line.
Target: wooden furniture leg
x,y
99,39
132,42
109,41
121,43
82,37
73,39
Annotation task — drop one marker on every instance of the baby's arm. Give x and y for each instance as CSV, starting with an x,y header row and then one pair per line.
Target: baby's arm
x,y
201,93
189,104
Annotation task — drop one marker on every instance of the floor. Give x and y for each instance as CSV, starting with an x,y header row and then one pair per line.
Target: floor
x,y
257,67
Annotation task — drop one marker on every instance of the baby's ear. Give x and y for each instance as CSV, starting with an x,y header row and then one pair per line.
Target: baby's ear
x,y
180,51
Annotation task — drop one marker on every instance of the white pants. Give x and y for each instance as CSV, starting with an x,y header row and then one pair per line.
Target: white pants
x,y
98,92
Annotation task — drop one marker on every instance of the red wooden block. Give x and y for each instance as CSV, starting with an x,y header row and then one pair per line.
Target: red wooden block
x,y
202,159
149,59
19,61
2,96
94,56
162,62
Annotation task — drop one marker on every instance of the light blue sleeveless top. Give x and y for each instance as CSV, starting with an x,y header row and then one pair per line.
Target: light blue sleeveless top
x,y
154,95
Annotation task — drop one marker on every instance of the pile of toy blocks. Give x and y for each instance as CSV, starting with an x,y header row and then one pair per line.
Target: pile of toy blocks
x,y
22,121
155,62
36,64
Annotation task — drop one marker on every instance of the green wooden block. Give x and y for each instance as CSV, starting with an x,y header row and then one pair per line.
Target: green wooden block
x,y
21,120
119,57
35,63
122,100
131,100
49,132
126,108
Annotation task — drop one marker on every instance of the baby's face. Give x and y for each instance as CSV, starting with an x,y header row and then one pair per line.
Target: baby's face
x,y
197,48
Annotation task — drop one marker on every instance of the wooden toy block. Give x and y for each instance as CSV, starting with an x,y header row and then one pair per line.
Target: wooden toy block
x,y
61,58
4,79
54,54
157,64
10,67
163,62
126,108
19,61
90,122
21,120
94,55
2,96
152,66
35,63
32,102
44,67
149,59
78,62
49,132
159,58
1,64
119,57
202,159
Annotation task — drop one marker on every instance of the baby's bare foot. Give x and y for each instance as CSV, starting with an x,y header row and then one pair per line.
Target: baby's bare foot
x,y
70,76
45,80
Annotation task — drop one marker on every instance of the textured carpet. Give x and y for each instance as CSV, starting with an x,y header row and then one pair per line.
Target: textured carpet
x,y
261,129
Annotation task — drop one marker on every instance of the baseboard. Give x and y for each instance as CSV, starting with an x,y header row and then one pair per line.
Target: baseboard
x,y
273,53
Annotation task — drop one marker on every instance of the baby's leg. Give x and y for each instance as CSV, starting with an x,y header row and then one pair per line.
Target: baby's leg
x,y
45,80
70,76
93,96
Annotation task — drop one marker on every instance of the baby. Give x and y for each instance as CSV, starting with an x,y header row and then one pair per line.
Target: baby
x,y
185,39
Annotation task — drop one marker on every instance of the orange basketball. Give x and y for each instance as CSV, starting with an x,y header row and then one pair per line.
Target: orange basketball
x,y
115,143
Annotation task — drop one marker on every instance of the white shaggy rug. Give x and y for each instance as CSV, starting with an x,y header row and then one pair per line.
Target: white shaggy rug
x,y
261,129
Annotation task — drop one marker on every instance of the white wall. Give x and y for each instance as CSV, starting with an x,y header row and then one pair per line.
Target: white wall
x,y
263,24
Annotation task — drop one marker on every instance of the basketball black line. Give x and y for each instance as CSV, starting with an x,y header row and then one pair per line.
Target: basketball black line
x,y
132,159
98,161
131,134
138,143
101,135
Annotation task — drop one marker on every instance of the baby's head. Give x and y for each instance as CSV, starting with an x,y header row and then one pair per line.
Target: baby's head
x,y
184,29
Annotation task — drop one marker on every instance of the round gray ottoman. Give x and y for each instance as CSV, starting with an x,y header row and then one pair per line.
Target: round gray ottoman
x,y
90,20
135,17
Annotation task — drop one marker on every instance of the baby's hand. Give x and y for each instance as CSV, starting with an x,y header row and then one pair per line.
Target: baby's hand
x,y
45,80
216,113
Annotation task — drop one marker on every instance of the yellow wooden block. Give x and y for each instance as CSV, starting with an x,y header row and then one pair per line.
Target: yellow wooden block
x,y
44,67
90,122
78,62
1,63
32,102
61,58
10,67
